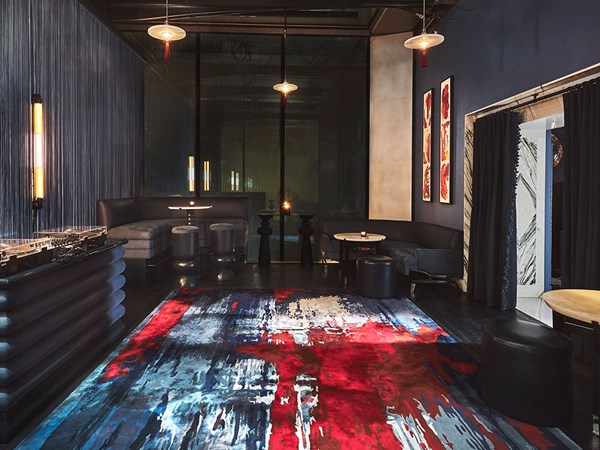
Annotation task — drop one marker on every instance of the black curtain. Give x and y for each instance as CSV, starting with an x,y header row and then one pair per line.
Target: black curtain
x,y
492,248
581,239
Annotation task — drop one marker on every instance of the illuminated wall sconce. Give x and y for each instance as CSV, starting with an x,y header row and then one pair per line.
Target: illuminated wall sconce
x,y
191,174
206,175
235,181
38,151
287,208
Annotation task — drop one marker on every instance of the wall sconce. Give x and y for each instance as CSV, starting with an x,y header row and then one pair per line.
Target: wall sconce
x,y
206,175
191,174
38,152
235,181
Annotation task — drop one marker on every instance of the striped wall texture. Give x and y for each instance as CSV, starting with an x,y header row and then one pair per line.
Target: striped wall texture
x,y
92,85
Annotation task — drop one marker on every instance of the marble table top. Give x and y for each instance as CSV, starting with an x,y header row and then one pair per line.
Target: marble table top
x,y
356,237
185,208
579,304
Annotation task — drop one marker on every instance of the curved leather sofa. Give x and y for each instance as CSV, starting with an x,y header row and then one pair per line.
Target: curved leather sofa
x,y
431,249
146,223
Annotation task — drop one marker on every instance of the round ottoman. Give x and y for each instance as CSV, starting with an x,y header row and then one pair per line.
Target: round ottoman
x,y
185,252
376,276
526,371
221,245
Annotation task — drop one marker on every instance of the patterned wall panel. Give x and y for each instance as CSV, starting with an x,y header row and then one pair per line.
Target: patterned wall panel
x,y
92,87
15,178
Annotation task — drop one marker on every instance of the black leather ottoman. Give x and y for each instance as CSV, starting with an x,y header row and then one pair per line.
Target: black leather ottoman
x,y
221,238
526,372
185,253
376,276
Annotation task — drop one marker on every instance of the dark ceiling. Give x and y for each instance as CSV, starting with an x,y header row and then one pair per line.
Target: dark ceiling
x,y
338,17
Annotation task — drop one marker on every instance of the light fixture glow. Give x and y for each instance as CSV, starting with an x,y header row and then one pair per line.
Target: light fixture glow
x,y
191,174
38,150
206,175
424,41
285,87
166,33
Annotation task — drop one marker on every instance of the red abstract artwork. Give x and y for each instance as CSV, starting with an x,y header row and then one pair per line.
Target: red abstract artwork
x,y
445,139
427,103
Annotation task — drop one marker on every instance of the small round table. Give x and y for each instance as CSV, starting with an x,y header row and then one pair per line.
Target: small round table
x,y
355,240
190,211
582,305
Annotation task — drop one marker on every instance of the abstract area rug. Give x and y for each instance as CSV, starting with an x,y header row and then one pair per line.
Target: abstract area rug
x,y
284,369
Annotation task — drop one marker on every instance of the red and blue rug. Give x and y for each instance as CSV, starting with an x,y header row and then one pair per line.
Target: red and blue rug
x,y
291,369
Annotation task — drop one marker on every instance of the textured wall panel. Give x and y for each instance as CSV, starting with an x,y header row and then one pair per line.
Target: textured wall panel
x,y
92,87
15,178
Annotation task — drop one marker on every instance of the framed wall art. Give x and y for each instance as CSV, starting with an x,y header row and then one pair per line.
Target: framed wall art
x,y
427,115
445,139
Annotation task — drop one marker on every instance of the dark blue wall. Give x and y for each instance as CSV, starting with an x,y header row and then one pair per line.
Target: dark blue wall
x,y
496,51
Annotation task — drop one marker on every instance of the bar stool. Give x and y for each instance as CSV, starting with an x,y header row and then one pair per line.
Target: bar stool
x,y
185,254
221,244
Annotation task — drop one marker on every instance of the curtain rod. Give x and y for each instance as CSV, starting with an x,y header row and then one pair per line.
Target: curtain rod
x,y
537,98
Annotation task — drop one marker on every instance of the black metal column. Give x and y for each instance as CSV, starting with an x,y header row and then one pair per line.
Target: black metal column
x,y
282,158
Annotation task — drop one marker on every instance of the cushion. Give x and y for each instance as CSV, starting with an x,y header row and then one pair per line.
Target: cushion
x,y
404,254
145,229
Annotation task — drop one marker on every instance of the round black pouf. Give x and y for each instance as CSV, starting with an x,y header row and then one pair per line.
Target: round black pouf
x,y
185,253
376,276
526,372
221,244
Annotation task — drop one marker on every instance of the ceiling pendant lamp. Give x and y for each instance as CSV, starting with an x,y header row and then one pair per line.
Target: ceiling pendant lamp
x,y
424,41
284,87
166,32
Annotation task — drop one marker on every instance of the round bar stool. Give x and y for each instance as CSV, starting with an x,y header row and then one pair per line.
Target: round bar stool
x,y
185,254
526,371
376,276
221,244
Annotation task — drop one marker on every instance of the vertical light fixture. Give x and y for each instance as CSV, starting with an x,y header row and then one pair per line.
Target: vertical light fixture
x,y
166,32
191,174
284,87
206,175
38,151
424,41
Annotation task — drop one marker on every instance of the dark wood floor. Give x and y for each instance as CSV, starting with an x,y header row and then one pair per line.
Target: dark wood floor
x,y
445,304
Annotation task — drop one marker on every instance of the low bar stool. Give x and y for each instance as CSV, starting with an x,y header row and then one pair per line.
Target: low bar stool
x,y
221,244
376,276
526,372
185,255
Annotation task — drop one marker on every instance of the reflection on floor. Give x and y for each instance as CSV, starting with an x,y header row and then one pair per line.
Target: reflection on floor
x,y
535,307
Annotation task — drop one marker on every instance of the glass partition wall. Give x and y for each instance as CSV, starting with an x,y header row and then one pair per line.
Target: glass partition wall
x,y
237,121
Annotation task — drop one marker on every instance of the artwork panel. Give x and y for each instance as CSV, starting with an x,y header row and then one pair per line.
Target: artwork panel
x,y
445,140
426,147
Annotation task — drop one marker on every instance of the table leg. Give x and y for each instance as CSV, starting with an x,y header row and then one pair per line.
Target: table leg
x,y
596,376
346,260
558,321
190,217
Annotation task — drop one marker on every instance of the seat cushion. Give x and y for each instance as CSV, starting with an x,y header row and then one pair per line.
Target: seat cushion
x,y
405,255
145,229
145,238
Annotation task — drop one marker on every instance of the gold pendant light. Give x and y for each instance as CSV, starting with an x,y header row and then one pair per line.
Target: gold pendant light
x,y
424,41
166,32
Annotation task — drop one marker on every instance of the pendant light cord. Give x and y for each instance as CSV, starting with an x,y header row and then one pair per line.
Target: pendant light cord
x,y
167,11
424,31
